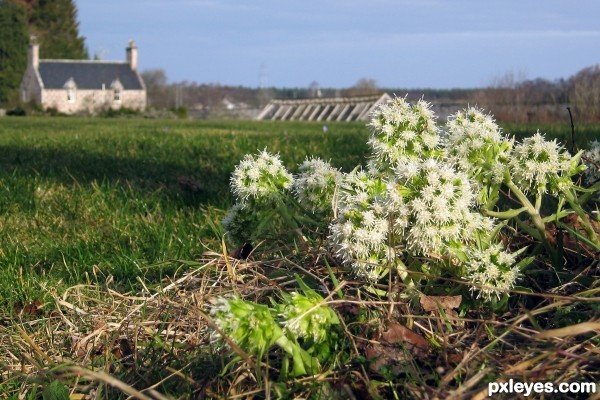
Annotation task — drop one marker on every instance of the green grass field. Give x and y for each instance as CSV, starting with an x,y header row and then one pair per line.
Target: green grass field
x,y
103,196
134,203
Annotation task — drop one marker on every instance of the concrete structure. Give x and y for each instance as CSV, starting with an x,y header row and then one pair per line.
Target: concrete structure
x,y
83,86
327,109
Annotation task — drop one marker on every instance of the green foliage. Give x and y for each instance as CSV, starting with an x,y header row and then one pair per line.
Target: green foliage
x,y
13,49
55,24
55,391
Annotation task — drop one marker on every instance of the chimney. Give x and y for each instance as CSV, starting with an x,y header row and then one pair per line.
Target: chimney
x,y
33,54
132,55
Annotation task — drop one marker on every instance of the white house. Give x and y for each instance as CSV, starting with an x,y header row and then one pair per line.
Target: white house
x,y
83,86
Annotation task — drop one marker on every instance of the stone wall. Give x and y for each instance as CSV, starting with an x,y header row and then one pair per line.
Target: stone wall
x,y
31,90
92,101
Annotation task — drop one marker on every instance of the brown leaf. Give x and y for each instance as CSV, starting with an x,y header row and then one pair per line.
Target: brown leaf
x,y
32,309
433,303
83,347
387,353
397,333
123,351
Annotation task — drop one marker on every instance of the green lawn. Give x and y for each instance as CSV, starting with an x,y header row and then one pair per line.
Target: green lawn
x,y
82,196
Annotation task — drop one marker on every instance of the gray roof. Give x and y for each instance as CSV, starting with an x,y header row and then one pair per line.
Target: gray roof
x,y
88,74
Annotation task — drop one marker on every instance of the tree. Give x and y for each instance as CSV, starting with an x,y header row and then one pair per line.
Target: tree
x,y
364,87
55,24
156,88
13,48
585,93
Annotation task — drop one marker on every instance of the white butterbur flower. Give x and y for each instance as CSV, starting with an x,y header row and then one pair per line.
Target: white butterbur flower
x,y
402,132
260,179
474,144
360,232
239,223
439,205
591,159
315,185
491,272
537,164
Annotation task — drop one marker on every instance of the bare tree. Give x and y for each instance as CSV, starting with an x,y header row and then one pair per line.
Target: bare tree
x,y
585,93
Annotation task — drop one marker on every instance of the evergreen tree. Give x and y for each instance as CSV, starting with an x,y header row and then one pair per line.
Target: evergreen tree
x,y
55,24
13,49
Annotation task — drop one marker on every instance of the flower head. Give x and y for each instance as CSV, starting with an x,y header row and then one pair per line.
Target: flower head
x,y
305,316
359,233
539,165
436,206
315,185
491,272
261,179
400,132
474,144
591,159
251,326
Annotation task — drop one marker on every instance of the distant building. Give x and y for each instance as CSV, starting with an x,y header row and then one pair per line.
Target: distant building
x,y
323,109
83,86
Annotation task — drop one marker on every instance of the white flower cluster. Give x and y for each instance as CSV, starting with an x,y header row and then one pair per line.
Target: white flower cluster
x,y
401,132
260,179
315,185
591,159
417,203
239,223
360,232
440,208
491,272
474,144
259,183
537,163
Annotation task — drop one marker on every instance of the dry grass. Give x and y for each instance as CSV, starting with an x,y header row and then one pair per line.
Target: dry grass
x,y
158,344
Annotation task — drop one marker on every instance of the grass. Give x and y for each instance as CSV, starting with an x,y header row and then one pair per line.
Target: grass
x,y
114,197
110,251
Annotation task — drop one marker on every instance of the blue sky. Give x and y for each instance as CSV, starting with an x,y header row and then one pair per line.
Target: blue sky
x,y
398,43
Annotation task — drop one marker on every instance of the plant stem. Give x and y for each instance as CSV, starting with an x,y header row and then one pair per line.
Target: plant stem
x,y
536,218
583,216
533,212
584,198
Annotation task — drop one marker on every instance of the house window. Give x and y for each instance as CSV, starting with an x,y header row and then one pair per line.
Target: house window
x,y
71,89
71,95
117,88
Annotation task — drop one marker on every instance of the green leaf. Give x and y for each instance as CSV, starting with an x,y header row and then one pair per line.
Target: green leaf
x,y
55,391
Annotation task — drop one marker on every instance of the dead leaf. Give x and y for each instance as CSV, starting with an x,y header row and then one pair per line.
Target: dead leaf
x,y
32,309
123,351
434,303
387,352
397,333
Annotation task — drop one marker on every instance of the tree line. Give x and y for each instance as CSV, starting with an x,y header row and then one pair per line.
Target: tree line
x,y
53,22
509,98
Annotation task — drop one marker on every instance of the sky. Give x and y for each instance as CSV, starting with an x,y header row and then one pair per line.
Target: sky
x,y
411,44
